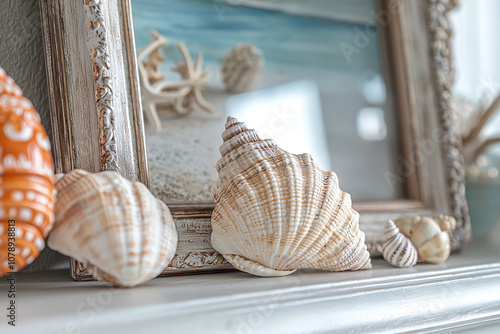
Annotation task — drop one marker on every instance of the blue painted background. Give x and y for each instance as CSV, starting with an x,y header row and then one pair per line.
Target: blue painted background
x,y
213,27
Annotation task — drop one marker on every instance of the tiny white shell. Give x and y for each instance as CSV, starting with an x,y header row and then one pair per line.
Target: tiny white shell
x,y
241,66
398,249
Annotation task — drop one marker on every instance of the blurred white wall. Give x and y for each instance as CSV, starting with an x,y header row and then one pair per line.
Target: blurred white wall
x,y
476,51
477,47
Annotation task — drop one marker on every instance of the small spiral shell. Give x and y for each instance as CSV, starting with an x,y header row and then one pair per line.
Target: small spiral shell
x,y
398,249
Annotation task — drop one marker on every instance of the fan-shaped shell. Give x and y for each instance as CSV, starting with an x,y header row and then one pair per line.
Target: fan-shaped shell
x,y
429,235
277,212
241,67
26,179
116,227
398,249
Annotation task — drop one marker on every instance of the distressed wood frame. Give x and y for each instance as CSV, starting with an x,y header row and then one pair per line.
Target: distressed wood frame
x,y
98,124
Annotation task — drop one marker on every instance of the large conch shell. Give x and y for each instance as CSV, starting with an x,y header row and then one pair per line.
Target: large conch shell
x,y
27,192
241,67
277,212
397,249
429,235
115,227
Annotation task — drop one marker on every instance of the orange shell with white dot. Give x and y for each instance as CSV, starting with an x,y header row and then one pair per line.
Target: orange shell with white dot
x,y
27,192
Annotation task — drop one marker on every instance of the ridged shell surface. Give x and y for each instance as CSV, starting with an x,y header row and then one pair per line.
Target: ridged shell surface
x,y
116,227
277,212
429,235
398,249
27,192
241,67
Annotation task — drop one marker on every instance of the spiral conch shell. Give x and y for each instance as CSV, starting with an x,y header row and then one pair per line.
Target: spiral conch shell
x,y
277,212
27,192
429,235
397,248
241,67
116,227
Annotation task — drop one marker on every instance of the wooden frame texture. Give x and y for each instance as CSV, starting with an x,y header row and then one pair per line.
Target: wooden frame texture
x,y
98,125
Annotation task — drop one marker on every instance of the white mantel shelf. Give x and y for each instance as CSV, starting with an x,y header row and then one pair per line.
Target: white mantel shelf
x,y
460,295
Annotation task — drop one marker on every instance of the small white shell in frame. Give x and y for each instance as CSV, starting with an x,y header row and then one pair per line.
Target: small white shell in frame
x,y
241,67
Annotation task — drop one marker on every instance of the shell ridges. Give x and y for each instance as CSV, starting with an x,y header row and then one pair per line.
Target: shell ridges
x,y
116,227
278,212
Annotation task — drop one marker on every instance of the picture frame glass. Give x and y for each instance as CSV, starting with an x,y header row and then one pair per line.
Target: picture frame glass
x,y
322,87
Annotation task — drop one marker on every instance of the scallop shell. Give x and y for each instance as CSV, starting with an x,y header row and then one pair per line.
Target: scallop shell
x,y
241,67
398,249
116,227
277,212
26,179
429,235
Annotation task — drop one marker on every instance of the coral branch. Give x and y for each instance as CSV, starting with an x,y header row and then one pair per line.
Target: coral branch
x,y
179,96
481,121
484,145
153,62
